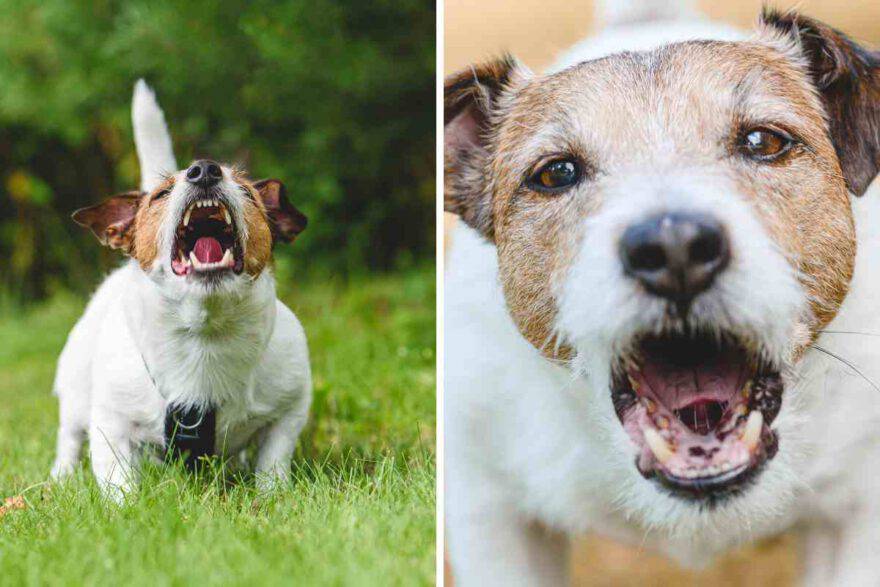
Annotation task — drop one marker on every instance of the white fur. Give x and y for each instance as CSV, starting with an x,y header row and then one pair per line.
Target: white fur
x,y
534,451
150,338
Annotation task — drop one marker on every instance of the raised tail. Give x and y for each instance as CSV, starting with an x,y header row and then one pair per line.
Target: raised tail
x,y
151,137
611,13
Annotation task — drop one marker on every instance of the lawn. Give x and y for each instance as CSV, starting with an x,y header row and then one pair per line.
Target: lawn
x,y
361,507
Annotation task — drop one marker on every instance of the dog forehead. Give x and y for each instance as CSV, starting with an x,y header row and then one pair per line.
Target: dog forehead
x,y
686,96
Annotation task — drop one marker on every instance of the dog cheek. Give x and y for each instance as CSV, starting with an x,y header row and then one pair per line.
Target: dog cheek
x,y
145,247
536,247
258,249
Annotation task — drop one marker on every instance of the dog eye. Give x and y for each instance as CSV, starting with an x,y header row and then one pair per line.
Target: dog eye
x,y
556,175
161,194
763,144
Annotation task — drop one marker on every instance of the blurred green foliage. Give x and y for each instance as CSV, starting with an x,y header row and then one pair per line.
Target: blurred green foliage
x,y
334,97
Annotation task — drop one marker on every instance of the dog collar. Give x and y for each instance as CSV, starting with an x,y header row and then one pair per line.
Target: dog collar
x,y
190,433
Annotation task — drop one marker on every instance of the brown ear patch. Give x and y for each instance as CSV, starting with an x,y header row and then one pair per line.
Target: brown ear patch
x,y
112,221
470,105
847,77
285,221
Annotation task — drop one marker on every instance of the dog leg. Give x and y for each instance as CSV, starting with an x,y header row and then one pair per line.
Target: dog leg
x,y
112,459
276,451
67,450
71,435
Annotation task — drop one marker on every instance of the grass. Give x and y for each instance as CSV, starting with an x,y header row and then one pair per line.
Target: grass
x,y
361,507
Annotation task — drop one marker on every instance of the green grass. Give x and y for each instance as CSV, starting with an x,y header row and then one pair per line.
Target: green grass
x,y
361,507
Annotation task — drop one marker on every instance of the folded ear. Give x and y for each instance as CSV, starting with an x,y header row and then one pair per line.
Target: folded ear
x,y
285,220
847,77
472,107
112,221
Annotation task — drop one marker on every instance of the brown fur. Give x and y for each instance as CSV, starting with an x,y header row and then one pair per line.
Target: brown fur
x,y
150,216
131,222
603,112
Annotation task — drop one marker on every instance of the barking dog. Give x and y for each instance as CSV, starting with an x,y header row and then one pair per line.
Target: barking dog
x,y
188,336
654,245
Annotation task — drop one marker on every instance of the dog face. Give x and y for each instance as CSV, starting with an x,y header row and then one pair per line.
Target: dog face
x,y
204,228
676,224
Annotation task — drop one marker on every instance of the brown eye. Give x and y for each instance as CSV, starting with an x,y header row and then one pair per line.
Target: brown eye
x,y
161,194
556,175
763,144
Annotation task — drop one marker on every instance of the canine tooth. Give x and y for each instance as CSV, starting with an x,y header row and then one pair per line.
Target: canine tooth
x,y
227,216
752,433
227,258
195,262
649,405
658,446
186,216
633,383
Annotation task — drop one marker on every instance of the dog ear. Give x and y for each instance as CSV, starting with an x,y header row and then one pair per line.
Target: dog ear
x,y
112,221
284,219
847,77
471,107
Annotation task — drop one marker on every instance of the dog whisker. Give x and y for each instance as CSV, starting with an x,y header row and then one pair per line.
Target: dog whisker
x,y
847,363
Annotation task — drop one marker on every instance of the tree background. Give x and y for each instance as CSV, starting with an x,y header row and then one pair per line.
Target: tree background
x,y
333,97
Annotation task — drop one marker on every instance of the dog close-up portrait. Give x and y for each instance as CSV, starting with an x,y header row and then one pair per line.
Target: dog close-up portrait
x,y
659,298
185,347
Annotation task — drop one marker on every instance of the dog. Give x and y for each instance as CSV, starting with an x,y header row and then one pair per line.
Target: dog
x,y
657,327
186,345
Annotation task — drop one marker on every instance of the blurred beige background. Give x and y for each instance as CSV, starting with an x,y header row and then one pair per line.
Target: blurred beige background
x,y
535,31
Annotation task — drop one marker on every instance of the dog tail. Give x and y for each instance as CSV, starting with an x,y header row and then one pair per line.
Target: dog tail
x,y
610,13
151,137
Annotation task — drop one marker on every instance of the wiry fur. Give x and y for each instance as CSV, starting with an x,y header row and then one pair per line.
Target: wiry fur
x,y
150,338
537,306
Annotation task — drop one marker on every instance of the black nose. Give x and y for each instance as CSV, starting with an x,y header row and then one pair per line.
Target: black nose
x,y
675,255
204,172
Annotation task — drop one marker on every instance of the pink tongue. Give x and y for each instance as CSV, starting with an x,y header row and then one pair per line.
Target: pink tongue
x,y
208,250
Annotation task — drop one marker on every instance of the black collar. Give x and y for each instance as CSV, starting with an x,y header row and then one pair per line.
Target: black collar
x,y
190,433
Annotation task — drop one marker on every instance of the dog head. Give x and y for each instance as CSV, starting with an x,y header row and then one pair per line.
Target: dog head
x,y
202,229
676,226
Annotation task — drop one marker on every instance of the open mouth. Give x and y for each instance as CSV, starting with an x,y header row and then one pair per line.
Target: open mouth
x,y
206,240
699,408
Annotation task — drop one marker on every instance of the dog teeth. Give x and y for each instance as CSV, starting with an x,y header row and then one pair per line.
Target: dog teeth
x,y
658,446
186,216
633,383
752,433
227,216
226,261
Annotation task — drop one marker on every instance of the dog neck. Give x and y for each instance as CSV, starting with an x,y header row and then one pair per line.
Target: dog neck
x,y
201,350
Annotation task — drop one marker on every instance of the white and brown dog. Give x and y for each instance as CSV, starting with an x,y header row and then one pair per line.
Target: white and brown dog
x,y
188,335
656,269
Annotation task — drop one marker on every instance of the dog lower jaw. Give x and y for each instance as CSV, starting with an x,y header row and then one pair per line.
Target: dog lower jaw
x,y
699,412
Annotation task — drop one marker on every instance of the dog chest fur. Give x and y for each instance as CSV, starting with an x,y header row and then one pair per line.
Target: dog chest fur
x,y
247,356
